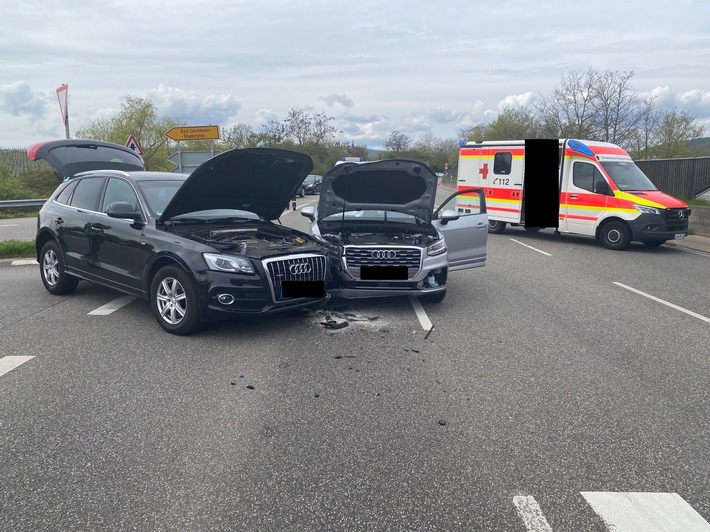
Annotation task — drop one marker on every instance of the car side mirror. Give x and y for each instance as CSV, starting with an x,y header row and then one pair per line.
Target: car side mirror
x,y
123,209
449,216
309,212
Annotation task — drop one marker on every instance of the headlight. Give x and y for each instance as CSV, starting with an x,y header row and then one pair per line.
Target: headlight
x,y
227,263
437,248
647,210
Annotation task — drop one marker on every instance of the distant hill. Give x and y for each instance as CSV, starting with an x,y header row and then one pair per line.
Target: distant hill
x,y
702,144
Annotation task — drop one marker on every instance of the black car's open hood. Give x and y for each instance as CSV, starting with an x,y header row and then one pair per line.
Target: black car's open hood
x,y
258,180
69,157
392,184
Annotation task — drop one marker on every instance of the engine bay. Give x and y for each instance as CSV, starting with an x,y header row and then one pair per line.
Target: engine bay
x,y
402,238
251,241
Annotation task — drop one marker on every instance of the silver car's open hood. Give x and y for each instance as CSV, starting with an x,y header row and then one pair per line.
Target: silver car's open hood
x,y
393,184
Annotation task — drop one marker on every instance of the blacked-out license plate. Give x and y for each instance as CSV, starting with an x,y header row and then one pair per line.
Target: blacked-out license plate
x,y
383,273
303,289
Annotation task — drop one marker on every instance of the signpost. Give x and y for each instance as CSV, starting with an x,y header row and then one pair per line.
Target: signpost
x,y
187,161
194,133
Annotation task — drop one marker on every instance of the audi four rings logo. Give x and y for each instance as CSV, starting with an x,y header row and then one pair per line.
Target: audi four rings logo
x,y
384,254
300,268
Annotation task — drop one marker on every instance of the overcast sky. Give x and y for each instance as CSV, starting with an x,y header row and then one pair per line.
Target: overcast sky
x,y
414,66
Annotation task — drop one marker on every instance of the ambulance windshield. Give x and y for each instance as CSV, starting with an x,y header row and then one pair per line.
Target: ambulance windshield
x,y
627,175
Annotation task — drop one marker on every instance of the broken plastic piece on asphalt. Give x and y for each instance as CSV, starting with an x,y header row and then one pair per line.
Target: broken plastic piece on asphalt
x,y
442,422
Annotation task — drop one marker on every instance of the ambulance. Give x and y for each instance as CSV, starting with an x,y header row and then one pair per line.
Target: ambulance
x,y
596,190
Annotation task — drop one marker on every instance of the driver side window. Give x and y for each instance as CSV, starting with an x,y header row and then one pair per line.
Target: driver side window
x,y
464,203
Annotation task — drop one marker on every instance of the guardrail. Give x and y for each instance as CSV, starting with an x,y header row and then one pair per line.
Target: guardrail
x,y
19,204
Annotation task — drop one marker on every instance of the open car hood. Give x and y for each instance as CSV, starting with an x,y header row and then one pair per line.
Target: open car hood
x,y
393,184
258,180
69,157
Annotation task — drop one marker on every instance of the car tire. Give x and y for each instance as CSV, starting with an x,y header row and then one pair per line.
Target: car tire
x,y
173,299
302,193
437,297
495,227
51,268
655,243
615,235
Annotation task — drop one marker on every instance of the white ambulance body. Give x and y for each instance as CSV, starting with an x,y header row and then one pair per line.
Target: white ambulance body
x,y
602,193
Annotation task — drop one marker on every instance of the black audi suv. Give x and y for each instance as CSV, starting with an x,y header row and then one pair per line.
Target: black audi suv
x,y
199,247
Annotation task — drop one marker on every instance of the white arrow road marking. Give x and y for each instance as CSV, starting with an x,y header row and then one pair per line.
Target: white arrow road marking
x,y
421,314
534,249
531,514
11,362
112,306
659,300
645,512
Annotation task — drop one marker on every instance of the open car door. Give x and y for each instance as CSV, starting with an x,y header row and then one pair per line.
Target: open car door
x,y
466,236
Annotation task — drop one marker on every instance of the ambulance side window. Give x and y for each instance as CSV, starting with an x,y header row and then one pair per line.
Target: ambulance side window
x,y
502,162
585,175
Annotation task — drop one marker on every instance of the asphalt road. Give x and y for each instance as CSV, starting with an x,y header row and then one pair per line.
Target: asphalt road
x,y
556,387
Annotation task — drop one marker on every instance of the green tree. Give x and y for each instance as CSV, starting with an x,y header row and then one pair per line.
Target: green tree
x,y
513,123
138,116
675,130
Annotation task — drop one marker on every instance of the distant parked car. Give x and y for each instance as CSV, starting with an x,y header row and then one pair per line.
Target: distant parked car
x,y
312,184
198,247
391,239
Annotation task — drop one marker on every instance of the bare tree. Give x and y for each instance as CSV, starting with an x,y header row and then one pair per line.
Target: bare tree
x,y
239,136
568,111
397,142
616,107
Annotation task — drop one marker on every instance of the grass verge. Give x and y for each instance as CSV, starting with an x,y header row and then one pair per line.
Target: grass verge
x,y
17,249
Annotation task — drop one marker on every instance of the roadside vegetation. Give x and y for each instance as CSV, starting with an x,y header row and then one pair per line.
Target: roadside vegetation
x,y
590,104
17,249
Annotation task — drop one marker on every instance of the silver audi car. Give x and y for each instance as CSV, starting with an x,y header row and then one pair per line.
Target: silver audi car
x,y
392,236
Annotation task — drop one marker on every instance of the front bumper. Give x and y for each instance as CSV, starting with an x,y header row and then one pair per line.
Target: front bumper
x,y
346,285
650,227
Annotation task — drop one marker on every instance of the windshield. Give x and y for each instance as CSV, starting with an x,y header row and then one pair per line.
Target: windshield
x,y
374,216
158,194
627,176
310,179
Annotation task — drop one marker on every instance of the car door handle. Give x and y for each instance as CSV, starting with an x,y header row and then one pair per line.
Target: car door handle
x,y
481,226
59,221
574,196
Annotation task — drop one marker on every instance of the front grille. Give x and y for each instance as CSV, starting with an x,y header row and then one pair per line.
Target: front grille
x,y
294,268
676,219
357,257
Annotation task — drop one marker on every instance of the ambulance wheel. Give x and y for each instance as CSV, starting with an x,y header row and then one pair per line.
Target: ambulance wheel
x,y
615,235
496,227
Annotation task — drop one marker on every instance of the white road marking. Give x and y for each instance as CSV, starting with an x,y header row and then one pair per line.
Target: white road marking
x,y
24,262
531,514
659,300
645,512
9,225
11,362
112,306
534,249
421,314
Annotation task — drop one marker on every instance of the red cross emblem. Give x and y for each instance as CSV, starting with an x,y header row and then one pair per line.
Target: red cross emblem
x,y
484,171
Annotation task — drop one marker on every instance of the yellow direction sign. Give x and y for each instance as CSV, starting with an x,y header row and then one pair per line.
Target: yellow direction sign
x,y
194,133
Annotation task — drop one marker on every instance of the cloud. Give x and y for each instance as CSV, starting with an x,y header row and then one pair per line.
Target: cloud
x,y
341,99
194,108
442,115
516,100
18,99
264,116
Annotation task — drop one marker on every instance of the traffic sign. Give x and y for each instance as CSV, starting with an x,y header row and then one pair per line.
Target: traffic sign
x,y
133,144
194,133
187,161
